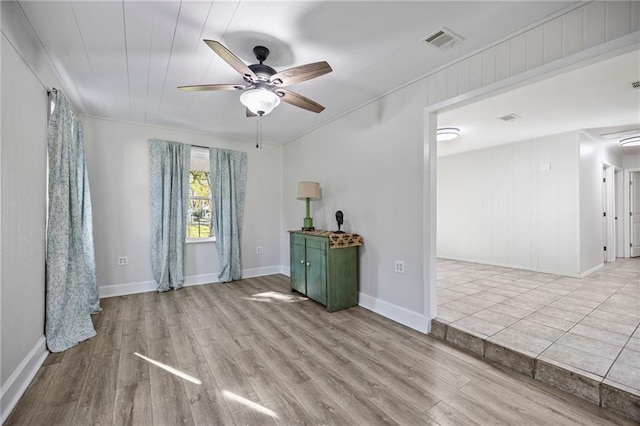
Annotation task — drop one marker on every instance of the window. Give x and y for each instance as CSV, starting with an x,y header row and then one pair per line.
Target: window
x,y
199,224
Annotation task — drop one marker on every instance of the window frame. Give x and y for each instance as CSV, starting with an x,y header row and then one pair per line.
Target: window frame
x,y
199,154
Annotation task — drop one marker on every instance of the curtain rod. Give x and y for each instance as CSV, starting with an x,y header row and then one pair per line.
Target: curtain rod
x,y
53,90
200,146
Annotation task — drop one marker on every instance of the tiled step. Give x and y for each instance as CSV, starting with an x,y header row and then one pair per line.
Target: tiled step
x,y
599,390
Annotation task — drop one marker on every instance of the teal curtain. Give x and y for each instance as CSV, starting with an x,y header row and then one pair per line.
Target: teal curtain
x,y
228,171
169,168
72,290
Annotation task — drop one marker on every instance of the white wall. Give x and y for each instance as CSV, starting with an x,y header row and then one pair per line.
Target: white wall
x,y
562,41
24,127
369,165
118,164
25,73
631,161
498,206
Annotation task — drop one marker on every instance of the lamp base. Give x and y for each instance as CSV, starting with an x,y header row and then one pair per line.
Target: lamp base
x,y
307,225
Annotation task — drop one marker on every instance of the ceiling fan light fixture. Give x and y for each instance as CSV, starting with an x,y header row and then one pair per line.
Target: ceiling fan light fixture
x,y
632,141
260,101
447,133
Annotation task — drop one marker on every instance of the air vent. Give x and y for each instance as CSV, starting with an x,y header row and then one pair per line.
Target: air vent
x,y
636,84
509,117
443,39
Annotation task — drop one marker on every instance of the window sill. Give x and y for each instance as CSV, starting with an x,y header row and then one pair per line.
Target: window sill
x,y
201,240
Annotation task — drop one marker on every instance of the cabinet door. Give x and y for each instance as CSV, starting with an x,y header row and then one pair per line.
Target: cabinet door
x,y
316,274
298,268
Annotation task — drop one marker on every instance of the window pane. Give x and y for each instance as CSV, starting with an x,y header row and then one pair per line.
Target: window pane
x,y
199,224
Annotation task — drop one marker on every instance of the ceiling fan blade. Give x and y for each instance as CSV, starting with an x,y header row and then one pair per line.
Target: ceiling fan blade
x,y
250,114
232,60
300,73
210,87
298,100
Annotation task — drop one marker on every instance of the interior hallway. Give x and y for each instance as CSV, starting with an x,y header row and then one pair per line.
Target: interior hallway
x,y
580,335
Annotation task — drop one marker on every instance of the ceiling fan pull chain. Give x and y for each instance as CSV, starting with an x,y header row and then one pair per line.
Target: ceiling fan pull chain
x,y
259,132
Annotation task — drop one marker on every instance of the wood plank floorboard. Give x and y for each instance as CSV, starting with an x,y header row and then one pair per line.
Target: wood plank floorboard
x,y
132,405
266,355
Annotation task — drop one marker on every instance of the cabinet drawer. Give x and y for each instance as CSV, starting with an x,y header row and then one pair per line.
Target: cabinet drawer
x,y
317,243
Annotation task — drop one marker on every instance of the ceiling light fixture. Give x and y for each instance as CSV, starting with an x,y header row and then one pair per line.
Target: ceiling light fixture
x,y
622,134
632,141
447,133
260,101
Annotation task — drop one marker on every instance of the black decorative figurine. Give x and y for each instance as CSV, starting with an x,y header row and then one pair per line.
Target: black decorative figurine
x,y
340,220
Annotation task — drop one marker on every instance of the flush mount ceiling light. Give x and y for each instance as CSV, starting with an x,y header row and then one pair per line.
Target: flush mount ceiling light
x,y
260,101
447,133
632,141
622,134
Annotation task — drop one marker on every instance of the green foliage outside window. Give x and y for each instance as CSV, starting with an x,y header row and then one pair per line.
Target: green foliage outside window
x,y
199,224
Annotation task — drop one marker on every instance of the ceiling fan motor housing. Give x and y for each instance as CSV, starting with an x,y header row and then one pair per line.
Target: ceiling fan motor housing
x,y
262,71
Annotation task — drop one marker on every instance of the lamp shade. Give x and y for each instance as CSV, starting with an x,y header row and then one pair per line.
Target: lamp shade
x,y
260,101
309,190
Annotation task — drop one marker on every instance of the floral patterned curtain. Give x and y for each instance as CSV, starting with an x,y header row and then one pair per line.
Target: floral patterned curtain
x,y
229,180
72,290
169,210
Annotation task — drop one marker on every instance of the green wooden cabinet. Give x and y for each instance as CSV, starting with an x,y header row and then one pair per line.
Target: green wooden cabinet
x,y
328,276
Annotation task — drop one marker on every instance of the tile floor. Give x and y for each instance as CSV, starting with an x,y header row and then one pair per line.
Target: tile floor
x,y
586,326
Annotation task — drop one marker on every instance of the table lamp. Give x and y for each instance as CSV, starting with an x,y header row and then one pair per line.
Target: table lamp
x,y
308,191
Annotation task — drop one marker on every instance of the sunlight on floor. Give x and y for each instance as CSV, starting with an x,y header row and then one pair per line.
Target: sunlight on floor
x,y
274,296
170,369
257,407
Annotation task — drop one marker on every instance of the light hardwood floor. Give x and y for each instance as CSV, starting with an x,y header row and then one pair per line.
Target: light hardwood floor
x,y
266,357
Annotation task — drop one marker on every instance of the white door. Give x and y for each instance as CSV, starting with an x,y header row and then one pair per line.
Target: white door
x,y
604,214
635,214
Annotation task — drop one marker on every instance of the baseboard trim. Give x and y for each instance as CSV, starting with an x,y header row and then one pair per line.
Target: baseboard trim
x,y
396,313
524,268
20,379
145,286
590,271
285,270
260,272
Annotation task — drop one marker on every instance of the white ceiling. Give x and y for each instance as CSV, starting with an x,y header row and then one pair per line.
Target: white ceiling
x,y
124,59
597,98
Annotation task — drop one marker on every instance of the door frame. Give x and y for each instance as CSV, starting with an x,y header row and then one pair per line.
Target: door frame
x,y
619,215
608,207
627,210
429,148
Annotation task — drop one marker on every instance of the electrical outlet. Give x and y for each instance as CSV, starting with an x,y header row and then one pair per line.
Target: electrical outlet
x,y
259,250
399,267
123,260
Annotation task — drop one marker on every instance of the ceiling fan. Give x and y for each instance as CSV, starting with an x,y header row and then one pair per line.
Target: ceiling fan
x,y
264,86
